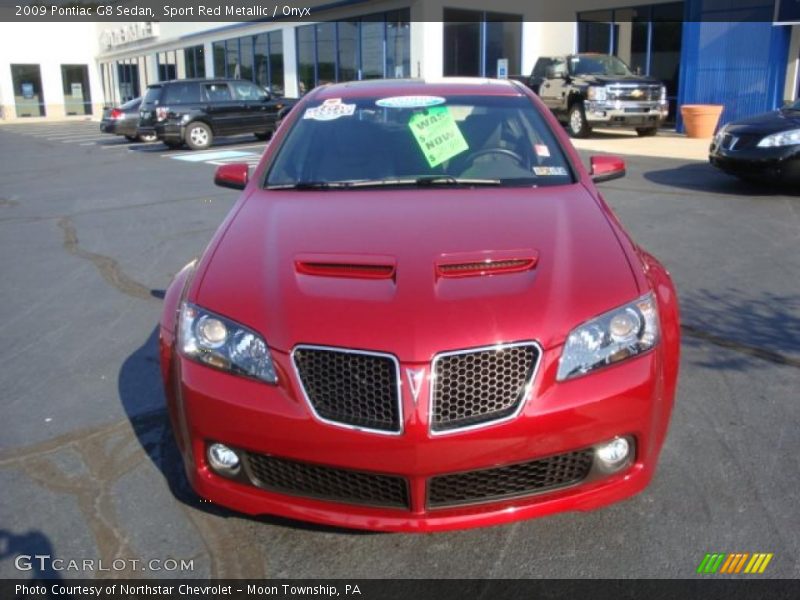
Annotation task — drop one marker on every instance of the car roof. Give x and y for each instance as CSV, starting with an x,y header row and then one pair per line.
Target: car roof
x,y
454,86
199,80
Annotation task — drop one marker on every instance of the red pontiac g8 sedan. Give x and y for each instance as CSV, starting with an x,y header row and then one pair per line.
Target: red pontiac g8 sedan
x,y
420,315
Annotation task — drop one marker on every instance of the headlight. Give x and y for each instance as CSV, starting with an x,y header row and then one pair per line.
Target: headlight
x,y
619,334
221,343
596,93
784,138
720,134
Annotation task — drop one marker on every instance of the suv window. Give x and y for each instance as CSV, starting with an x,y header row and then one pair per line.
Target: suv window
x,y
217,92
152,95
244,90
181,93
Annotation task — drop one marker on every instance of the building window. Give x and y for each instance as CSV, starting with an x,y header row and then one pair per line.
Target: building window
x,y
219,59
194,59
77,95
371,47
398,46
258,58
648,38
167,65
128,80
306,58
475,41
28,95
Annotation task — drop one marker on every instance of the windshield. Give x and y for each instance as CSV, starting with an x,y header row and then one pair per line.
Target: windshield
x,y
419,140
597,65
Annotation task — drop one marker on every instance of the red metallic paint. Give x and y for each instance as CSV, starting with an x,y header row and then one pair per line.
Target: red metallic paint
x,y
585,265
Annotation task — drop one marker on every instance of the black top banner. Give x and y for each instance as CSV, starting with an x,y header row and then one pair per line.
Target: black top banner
x,y
393,589
324,10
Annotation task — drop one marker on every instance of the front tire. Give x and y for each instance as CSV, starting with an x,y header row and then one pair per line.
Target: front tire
x,y
577,125
646,131
198,136
130,138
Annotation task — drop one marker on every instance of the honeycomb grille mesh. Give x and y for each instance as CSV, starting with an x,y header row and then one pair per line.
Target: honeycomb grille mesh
x,y
510,481
327,483
481,386
351,388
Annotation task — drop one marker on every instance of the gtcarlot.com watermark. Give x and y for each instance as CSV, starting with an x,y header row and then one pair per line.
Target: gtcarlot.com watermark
x,y
45,563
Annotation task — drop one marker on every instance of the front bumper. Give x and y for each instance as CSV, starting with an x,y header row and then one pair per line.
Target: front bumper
x,y
626,114
630,399
780,164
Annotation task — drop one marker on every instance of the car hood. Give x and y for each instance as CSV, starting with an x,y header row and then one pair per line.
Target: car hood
x,y
612,79
771,122
254,276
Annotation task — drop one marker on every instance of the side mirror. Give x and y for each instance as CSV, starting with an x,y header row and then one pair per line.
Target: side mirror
x,y
606,168
233,176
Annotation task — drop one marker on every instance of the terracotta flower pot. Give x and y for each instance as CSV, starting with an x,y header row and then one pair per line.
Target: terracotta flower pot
x,y
701,120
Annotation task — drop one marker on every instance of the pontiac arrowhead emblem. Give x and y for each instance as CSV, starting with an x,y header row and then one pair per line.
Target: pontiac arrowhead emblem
x,y
415,377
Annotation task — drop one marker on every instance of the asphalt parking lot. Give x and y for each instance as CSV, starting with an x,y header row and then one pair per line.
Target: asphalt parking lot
x,y
93,228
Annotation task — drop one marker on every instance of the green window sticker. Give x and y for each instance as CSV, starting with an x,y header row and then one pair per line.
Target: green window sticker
x,y
437,134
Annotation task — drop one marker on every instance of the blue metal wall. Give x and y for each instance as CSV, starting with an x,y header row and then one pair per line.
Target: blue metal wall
x,y
733,55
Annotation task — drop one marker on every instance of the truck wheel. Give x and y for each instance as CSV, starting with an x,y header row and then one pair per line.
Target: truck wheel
x,y
198,135
646,131
576,121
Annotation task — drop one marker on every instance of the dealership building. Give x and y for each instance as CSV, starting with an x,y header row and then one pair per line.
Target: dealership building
x,y
743,54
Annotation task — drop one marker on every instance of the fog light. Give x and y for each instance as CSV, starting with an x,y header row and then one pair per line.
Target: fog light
x,y
614,454
223,459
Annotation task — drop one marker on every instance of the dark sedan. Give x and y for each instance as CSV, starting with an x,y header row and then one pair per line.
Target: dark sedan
x,y
762,148
124,120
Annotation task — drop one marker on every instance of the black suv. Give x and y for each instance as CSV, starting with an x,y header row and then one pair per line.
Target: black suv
x,y
194,111
587,90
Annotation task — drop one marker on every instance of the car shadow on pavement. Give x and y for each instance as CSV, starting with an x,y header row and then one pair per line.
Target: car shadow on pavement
x,y
32,546
139,384
219,144
756,328
703,177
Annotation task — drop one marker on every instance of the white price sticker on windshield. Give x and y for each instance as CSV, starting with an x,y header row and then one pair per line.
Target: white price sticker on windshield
x,y
331,109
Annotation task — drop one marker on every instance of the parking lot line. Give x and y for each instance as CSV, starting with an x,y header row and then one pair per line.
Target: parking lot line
x,y
82,139
212,155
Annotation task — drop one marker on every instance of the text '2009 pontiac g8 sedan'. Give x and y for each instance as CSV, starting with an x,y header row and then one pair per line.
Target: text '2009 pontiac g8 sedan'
x,y
420,315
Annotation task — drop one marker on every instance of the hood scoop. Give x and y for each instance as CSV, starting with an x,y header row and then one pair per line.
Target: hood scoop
x,y
486,263
346,266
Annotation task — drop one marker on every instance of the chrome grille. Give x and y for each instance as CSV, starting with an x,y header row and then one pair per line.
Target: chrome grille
x,y
326,483
351,388
510,481
480,386
637,93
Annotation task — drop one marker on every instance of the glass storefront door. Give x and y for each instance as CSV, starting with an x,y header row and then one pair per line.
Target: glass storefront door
x,y
28,95
77,95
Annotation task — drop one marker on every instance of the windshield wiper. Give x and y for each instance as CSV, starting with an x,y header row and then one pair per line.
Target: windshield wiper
x,y
311,185
424,181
